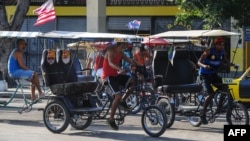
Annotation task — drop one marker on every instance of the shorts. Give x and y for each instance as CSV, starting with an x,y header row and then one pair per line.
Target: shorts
x,y
24,74
207,80
117,81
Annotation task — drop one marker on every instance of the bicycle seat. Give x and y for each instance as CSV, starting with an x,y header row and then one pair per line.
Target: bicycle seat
x,y
182,88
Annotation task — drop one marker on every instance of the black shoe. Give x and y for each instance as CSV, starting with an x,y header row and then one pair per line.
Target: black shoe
x,y
203,119
112,124
124,105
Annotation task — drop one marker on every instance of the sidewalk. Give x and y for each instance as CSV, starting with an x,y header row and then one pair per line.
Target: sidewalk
x,y
19,94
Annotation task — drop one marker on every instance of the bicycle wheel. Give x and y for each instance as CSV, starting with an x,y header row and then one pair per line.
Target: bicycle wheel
x,y
217,97
136,97
80,122
169,110
237,114
195,121
56,116
133,101
153,121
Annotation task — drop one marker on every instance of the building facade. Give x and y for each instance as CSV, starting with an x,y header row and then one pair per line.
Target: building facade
x,y
155,15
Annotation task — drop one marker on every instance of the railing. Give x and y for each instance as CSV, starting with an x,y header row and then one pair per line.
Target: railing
x,y
140,2
108,2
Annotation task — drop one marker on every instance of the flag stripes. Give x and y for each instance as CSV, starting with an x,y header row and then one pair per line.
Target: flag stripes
x,y
46,13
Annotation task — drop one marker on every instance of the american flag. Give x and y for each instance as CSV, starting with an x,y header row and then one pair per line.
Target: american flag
x,y
135,24
45,12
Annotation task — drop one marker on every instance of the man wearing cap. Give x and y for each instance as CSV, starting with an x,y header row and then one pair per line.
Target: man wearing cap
x,y
209,62
116,76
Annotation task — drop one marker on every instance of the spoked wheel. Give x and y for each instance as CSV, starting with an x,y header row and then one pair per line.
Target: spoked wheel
x,y
168,108
56,116
194,120
80,122
237,115
133,101
135,97
153,121
217,97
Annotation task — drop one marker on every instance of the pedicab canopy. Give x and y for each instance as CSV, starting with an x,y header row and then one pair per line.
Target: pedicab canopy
x,y
91,36
195,33
19,34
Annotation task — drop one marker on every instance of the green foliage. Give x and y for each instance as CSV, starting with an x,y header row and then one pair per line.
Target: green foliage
x,y
214,12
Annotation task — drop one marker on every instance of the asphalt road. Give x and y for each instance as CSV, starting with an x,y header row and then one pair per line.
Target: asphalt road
x,y
29,127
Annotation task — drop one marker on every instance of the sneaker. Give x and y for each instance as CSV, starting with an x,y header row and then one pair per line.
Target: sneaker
x,y
204,119
124,105
112,124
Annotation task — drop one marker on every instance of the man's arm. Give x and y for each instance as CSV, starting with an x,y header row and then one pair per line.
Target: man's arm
x,y
19,57
202,58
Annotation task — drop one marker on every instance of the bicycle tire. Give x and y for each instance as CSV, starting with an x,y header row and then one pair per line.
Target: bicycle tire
x,y
236,114
57,111
148,96
217,98
169,110
80,123
156,117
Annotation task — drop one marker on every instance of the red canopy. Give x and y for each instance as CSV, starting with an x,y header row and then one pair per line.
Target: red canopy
x,y
154,41
100,45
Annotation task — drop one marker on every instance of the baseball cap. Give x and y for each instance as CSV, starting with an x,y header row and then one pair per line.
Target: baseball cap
x,y
218,40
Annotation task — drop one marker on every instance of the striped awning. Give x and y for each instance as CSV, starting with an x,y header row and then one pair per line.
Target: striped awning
x,y
19,34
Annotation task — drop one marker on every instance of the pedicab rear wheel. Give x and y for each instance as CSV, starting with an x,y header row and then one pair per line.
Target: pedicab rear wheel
x,y
80,122
154,121
56,116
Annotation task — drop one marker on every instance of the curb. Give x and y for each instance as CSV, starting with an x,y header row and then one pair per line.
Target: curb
x,y
19,94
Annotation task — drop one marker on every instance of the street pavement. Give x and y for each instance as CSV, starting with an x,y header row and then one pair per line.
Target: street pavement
x,y
29,126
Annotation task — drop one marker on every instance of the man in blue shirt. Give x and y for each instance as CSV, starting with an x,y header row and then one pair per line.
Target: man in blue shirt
x,y
209,62
18,69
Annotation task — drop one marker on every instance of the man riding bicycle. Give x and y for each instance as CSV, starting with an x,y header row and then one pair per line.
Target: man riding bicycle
x,y
209,62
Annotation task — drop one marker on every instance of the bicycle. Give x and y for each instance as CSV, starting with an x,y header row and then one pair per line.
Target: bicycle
x,y
145,98
27,106
236,112
78,103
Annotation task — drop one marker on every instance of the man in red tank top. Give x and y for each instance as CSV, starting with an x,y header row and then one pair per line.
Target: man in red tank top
x,y
116,75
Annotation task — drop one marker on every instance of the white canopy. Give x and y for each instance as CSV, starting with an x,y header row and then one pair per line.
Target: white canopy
x,y
73,35
19,34
92,36
195,33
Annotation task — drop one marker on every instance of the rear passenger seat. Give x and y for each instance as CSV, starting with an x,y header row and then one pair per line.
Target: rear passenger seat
x,y
60,74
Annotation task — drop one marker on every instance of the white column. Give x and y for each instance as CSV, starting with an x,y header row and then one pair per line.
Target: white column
x,y
96,16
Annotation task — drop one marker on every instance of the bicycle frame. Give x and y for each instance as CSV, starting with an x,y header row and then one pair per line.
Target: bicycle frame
x,y
27,106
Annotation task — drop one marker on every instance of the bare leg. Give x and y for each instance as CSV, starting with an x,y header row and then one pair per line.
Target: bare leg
x,y
35,81
114,106
32,90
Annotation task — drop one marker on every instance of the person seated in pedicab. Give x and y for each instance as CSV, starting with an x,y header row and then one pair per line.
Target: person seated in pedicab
x,y
116,76
209,62
143,56
17,69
